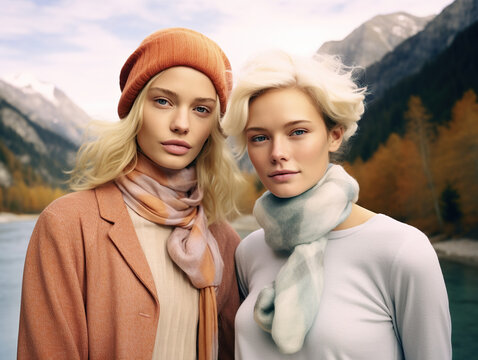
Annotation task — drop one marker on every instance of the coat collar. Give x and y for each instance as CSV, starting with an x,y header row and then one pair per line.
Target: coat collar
x,y
113,209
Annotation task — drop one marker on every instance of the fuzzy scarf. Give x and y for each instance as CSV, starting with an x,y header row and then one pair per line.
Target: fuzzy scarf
x,y
174,199
300,225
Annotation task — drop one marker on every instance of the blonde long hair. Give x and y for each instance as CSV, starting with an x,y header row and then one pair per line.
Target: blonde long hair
x,y
112,152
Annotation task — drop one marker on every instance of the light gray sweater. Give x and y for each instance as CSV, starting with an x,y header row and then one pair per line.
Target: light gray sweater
x,y
384,297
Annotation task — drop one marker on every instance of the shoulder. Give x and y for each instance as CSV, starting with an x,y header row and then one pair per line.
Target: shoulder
x,y
252,246
392,233
75,201
387,243
103,201
62,221
70,207
413,254
389,226
59,230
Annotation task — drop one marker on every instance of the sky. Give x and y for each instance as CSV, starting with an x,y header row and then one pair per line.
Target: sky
x,y
81,45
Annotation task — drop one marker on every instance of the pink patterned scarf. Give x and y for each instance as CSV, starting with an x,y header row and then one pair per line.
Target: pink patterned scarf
x,y
174,199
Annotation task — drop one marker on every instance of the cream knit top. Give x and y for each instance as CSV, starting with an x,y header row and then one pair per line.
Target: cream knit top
x,y
178,299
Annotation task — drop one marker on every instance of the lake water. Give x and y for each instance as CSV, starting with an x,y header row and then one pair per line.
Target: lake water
x,y
461,281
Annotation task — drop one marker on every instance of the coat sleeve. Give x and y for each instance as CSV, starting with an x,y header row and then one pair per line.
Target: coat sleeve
x,y
52,315
421,302
228,293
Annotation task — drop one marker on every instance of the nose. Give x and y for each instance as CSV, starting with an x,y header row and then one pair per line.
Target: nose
x,y
279,151
180,122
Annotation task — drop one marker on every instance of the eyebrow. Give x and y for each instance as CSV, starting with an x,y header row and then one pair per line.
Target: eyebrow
x,y
290,123
175,95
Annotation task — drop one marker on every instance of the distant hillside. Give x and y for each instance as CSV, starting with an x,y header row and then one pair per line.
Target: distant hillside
x,y
45,105
440,84
36,148
412,54
40,131
374,38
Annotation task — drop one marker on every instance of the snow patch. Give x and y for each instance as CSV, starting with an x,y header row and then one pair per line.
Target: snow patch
x,y
399,31
29,84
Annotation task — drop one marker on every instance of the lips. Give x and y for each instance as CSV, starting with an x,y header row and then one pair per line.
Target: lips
x,y
282,175
176,147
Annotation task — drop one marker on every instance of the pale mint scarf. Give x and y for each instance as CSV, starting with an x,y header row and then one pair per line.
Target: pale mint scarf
x,y
287,307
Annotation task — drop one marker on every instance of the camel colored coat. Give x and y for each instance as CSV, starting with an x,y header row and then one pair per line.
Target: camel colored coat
x,y
88,292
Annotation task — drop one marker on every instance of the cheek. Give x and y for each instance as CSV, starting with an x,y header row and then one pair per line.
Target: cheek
x,y
313,150
204,131
146,132
148,124
258,158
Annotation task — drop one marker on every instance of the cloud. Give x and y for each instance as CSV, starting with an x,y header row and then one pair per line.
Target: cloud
x,y
80,45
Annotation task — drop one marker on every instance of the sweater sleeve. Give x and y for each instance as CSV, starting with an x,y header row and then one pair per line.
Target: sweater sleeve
x,y
52,315
421,303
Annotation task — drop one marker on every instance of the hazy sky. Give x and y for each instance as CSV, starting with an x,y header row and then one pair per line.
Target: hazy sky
x,y
81,45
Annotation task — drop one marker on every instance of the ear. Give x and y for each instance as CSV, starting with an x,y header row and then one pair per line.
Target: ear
x,y
336,136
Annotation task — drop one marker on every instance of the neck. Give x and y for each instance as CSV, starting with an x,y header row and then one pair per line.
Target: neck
x,y
358,216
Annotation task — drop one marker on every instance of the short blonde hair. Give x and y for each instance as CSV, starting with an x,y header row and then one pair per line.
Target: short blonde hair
x,y
324,78
112,152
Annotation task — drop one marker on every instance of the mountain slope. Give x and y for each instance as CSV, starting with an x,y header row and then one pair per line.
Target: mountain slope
x,y
440,84
410,56
45,105
45,152
374,38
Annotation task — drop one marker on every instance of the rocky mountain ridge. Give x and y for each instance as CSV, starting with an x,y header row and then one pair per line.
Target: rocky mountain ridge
x,y
413,53
41,127
373,39
45,105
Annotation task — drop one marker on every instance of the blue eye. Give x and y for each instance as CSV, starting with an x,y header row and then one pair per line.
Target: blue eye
x,y
298,132
202,109
258,138
161,101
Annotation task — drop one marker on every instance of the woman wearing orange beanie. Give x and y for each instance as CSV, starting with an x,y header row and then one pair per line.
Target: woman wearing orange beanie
x,y
138,262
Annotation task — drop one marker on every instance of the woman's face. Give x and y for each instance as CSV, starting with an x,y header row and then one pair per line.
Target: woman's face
x,y
178,116
288,142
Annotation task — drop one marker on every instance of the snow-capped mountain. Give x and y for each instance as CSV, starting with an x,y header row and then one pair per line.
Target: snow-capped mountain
x,y
373,39
410,55
40,127
45,105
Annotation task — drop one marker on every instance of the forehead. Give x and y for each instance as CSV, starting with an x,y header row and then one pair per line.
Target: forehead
x,y
276,106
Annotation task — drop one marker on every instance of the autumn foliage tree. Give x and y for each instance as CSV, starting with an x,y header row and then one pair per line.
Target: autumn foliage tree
x,y
27,193
455,157
392,182
426,171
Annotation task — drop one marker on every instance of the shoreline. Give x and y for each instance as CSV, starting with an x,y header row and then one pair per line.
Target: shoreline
x,y
462,250
6,217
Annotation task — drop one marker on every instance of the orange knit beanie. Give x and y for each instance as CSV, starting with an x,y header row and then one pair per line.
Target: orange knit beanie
x,y
174,47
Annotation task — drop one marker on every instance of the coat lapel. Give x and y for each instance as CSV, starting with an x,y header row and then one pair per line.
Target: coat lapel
x,y
122,234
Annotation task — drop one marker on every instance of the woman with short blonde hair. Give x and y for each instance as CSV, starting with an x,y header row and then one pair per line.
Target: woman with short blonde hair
x,y
324,278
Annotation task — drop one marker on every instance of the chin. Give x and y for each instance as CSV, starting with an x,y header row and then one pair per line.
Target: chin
x,y
284,193
287,191
173,163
